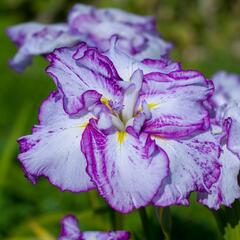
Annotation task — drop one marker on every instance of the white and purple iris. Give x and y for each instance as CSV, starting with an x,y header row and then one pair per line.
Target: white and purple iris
x,y
135,131
227,88
137,34
71,231
226,128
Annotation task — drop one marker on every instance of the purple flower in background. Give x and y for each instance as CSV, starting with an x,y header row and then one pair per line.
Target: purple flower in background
x,y
227,89
226,189
36,39
225,109
141,127
71,231
138,36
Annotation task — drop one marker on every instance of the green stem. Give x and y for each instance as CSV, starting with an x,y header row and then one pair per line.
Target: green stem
x,y
144,221
117,220
165,221
93,198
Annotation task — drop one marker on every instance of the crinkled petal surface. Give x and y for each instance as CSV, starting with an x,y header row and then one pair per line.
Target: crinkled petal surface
x,y
164,64
19,33
127,171
77,71
137,34
53,149
146,23
226,189
233,114
71,231
36,39
116,235
194,166
175,101
227,88
126,65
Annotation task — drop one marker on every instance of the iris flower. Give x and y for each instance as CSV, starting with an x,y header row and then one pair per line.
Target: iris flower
x,y
226,129
71,231
135,131
227,87
138,35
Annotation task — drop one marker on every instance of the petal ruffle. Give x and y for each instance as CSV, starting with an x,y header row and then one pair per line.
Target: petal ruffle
x,y
226,189
137,34
19,33
71,231
164,64
194,166
81,70
227,87
53,149
232,115
36,39
127,171
175,101
126,65
112,235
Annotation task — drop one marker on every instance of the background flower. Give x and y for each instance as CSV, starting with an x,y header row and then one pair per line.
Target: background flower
x,y
138,35
224,105
71,231
226,190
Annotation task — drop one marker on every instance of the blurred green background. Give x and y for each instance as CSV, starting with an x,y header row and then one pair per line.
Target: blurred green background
x,y
206,35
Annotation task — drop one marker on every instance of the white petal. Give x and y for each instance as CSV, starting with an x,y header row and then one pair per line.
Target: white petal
x,y
53,149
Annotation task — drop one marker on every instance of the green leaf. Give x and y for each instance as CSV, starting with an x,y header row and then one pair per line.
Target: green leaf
x,y
11,145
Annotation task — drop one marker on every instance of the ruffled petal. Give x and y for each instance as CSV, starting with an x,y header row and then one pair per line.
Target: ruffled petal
x,y
226,189
227,88
175,101
163,64
126,65
19,33
36,39
137,34
112,235
127,171
194,166
80,70
146,23
232,114
53,149
71,231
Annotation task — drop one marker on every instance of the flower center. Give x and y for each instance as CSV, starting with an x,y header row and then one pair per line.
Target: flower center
x,y
130,99
131,96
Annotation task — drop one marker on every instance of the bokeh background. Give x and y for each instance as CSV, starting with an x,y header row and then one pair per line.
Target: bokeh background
x,y
206,35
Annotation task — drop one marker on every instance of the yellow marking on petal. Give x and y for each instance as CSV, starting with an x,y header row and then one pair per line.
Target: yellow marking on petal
x,y
105,101
84,125
152,105
121,136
